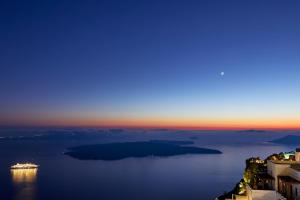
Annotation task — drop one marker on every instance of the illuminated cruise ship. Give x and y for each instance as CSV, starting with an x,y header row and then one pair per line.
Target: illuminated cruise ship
x,y
24,166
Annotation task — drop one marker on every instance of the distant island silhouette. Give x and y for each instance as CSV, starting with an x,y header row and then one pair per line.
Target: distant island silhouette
x,y
288,140
117,151
252,131
58,135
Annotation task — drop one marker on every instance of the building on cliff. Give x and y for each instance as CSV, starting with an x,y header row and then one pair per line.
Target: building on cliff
x,y
280,182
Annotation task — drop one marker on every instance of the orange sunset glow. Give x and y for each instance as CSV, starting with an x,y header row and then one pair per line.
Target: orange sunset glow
x,y
172,123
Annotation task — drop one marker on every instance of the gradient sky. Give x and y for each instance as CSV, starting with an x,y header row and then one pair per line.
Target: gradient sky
x,y
150,63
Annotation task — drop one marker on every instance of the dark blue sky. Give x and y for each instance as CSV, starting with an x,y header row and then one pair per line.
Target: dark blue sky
x,y
117,60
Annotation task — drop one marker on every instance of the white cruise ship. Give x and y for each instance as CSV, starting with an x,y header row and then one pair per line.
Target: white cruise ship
x,y
24,166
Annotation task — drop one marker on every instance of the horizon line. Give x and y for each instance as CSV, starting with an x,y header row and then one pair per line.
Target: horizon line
x,y
195,128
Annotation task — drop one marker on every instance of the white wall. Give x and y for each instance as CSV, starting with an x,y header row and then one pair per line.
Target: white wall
x,y
294,174
263,194
275,170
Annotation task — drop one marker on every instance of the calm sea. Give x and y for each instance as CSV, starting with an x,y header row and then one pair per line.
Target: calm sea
x,y
189,177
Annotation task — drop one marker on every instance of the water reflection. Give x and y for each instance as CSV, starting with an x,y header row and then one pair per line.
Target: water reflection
x,y
24,175
24,181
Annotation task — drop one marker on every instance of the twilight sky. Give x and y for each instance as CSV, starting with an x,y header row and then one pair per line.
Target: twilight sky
x,y
151,63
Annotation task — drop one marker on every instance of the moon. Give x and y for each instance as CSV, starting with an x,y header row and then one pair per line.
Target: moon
x,y
222,73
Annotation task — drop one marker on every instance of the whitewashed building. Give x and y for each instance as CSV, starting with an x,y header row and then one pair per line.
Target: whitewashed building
x,y
284,183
